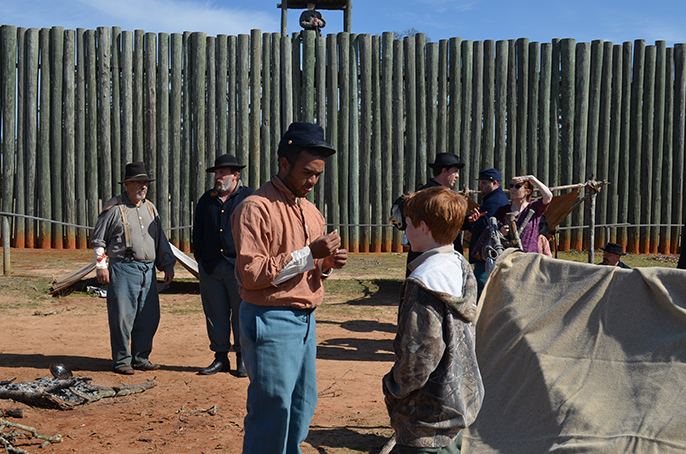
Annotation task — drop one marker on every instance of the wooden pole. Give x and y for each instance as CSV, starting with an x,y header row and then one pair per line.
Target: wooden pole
x,y
635,145
411,183
534,115
354,147
510,168
665,246
126,99
583,70
104,115
198,109
69,140
455,106
521,161
176,162
487,144
116,134
420,83
138,100
56,69
344,133
594,95
43,160
679,134
150,116
8,61
567,92
475,155
163,158
442,112
31,135
210,109
545,112
465,153
625,140
380,206
398,132
255,116
605,129
243,106
18,237
658,143
500,145
187,201
266,124
647,163
332,181
364,175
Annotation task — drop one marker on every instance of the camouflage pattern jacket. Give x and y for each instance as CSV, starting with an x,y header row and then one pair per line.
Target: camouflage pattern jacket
x,y
434,388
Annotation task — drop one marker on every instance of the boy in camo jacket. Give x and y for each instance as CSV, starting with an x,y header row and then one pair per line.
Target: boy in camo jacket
x,y
434,389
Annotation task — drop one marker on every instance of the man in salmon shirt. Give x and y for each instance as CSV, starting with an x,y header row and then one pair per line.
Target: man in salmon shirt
x,y
283,255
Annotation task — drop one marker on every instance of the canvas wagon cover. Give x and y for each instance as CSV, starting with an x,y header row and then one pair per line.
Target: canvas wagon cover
x,y
580,358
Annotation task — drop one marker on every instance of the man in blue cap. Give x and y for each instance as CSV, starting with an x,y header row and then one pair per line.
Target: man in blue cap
x,y
283,255
493,198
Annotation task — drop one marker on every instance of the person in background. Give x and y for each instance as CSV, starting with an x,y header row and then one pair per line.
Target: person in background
x,y
612,253
494,197
216,255
283,255
130,234
446,170
311,19
434,389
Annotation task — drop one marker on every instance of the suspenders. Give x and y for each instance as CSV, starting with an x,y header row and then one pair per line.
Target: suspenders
x,y
127,229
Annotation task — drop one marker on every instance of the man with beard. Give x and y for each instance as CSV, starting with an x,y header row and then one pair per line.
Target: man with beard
x,y
129,229
283,255
216,255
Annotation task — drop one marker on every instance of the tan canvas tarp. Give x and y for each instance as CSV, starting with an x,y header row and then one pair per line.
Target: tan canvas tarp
x,y
580,358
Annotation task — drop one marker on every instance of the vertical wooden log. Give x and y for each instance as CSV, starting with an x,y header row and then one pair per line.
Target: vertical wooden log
x,y
487,138
8,68
286,82
354,147
176,162
232,134
533,115
398,131
126,99
332,181
243,105
635,145
420,81
545,112
307,75
472,170
344,133
222,44
467,93
163,181
658,143
104,112
500,147
455,107
386,150
554,172
605,129
115,136
625,163
320,114
521,161
679,135
56,88
92,201
568,65
255,115
266,122
43,160
614,158
19,228
296,76
647,164
583,77
150,130
69,140
443,129
665,245
198,109
380,206
276,125
187,202
431,101
510,167
411,183
138,99
31,55
365,128
211,109
596,70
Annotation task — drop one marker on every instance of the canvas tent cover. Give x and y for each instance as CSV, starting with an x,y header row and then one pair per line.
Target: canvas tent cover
x,y
580,358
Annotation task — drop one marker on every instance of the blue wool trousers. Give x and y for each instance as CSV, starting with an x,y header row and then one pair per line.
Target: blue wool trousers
x,y
133,311
221,304
279,349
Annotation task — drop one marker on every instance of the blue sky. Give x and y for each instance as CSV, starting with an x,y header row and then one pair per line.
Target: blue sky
x,y
583,20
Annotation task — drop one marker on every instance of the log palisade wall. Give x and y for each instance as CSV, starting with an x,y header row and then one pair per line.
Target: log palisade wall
x,y
76,105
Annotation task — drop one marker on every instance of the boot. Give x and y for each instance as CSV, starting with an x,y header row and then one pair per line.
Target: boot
x,y
220,364
240,367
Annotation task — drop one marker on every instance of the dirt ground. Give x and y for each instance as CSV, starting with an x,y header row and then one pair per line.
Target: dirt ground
x,y
355,331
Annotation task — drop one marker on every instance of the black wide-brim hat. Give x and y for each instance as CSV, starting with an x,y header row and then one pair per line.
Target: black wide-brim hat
x,y
135,171
446,160
614,248
225,160
307,135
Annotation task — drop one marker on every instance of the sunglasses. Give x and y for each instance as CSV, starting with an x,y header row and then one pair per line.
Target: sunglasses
x,y
516,186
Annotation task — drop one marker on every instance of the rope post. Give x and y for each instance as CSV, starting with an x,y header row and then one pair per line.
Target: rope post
x,y
7,268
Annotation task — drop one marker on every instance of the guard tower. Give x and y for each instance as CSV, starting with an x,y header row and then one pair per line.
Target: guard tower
x,y
345,5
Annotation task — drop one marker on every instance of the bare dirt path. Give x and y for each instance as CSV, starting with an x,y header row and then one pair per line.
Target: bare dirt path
x,y
355,330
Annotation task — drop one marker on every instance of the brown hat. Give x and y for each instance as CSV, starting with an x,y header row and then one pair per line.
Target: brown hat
x,y
135,171
225,160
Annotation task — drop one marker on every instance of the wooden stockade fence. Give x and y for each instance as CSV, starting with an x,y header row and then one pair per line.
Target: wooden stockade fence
x,y
77,105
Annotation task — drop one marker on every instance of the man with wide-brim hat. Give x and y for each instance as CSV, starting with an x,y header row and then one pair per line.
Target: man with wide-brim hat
x,y
130,234
215,253
611,254
283,255
446,170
